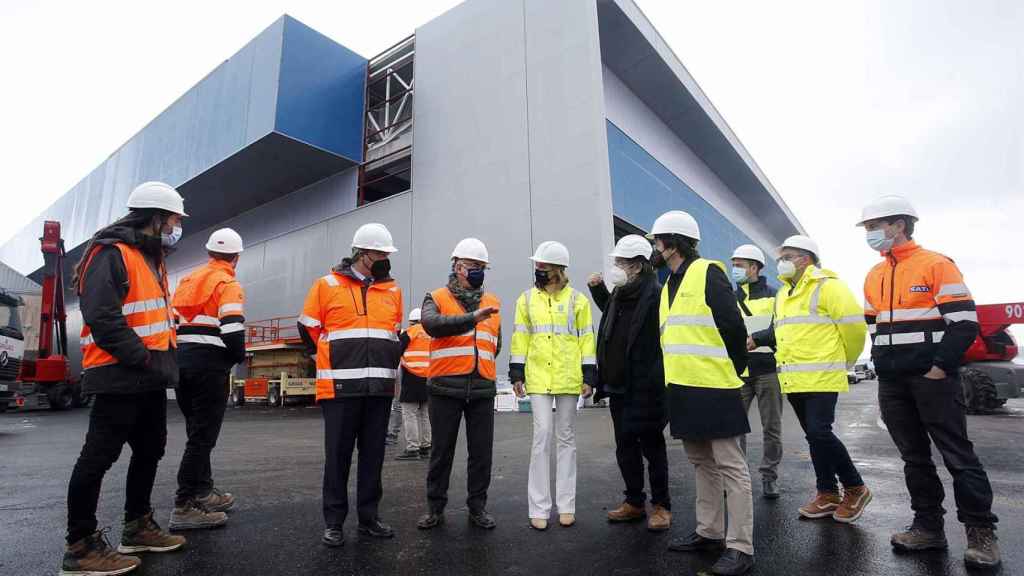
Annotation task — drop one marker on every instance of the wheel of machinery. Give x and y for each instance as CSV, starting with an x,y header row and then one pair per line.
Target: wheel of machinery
x,y
274,397
980,396
238,396
61,397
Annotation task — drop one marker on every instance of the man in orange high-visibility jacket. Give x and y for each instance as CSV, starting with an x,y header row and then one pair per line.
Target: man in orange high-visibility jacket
x,y
413,391
128,359
208,307
463,322
350,321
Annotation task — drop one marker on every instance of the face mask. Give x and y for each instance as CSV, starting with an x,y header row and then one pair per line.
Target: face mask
x,y
475,278
381,269
877,240
172,238
659,260
787,269
739,275
617,276
541,278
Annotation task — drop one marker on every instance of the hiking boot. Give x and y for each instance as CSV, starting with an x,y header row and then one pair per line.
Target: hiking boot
x,y
770,490
409,454
982,548
626,513
430,520
855,500
217,501
695,543
144,535
733,563
94,556
660,520
823,505
194,516
917,538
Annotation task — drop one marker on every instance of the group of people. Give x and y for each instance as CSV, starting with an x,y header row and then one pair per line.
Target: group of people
x,y
692,354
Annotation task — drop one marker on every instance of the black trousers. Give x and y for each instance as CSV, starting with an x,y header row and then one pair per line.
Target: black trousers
x,y
202,397
351,423
446,414
140,420
816,412
630,450
917,412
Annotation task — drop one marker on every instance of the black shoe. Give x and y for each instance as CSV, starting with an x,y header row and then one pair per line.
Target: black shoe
x,y
431,520
483,520
376,529
694,543
333,537
425,452
390,440
408,455
733,563
770,490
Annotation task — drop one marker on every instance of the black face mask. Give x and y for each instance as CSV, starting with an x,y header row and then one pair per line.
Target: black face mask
x,y
475,278
541,278
658,261
381,269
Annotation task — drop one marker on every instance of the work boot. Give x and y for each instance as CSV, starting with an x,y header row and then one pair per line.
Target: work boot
x,y
481,519
94,555
917,538
626,513
770,490
855,500
733,563
823,505
195,516
144,535
217,501
409,454
695,543
430,520
660,520
982,548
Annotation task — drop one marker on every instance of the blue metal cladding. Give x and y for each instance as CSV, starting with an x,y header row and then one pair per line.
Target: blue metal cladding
x,y
321,92
643,189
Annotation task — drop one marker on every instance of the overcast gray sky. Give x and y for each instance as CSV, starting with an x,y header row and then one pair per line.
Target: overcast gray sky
x,y
837,101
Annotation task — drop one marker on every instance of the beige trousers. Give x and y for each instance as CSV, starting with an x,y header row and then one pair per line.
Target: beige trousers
x,y
721,466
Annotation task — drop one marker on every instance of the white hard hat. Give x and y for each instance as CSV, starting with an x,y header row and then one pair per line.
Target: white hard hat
x,y
551,252
471,249
803,243
675,222
750,252
415,315
225,241
886,206
631,246
374,236
157,195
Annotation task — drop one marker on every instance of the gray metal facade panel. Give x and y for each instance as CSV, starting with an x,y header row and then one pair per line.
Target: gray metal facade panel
x,y
15,283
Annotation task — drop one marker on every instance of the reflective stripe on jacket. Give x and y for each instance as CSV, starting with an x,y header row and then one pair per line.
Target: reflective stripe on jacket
x,y
209,311
416,358
473,351
553,345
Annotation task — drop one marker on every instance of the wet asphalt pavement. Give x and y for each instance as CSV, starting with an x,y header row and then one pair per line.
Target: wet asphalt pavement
x,y
271,460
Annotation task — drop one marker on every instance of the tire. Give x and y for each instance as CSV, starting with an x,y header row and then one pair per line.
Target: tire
x,y
238,397
980,396
61,397
273,397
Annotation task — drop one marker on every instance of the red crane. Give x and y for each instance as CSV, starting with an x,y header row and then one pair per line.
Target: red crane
x,y
989,374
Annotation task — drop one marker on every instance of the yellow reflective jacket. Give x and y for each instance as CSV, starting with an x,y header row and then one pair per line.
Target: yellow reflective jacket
x,y
553,345
819,331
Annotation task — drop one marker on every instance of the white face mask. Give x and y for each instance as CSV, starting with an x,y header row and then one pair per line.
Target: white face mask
x,y
878,241
617,276
787,269
739,275
172,238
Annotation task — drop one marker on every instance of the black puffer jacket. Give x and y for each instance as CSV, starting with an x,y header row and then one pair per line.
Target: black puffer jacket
x,y
641,378
103,288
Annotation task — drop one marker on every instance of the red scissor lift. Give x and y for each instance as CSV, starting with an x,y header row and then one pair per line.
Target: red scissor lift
x,y
278,370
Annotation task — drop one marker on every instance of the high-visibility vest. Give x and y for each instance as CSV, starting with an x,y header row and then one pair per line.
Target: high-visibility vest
x,y
694,352
819,330
209,303
416,358
356,337
554,338
466,353
760,311
145,308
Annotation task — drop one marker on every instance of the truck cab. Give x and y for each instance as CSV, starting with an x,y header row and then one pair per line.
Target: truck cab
x,y
12,346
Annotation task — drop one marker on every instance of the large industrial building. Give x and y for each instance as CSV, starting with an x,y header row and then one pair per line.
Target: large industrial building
x,y
515,121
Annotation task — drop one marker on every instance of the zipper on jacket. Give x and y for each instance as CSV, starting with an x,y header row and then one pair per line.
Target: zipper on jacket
x,y
892,311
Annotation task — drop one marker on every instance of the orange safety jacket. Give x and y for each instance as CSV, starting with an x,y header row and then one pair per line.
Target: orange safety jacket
x,y
209,312
145,308
467,353
416,358
919,312
353,329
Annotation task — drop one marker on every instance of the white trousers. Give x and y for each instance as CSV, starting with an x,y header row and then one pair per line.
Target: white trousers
x,y
416,424
560,424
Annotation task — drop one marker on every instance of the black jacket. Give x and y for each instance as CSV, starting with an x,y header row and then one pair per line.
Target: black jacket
x,y
710,413
758,363
103,288
642,385
437,325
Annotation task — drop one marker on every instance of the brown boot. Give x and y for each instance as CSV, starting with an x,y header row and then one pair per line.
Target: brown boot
x,y
626,513
94,555
855,500
217,501
823,505
982,548
145,535
660,520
